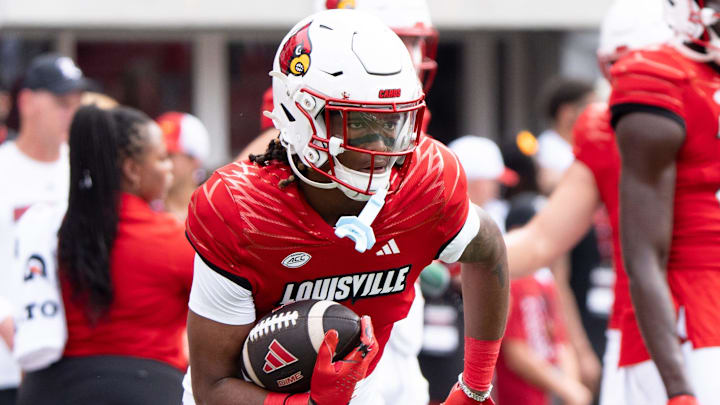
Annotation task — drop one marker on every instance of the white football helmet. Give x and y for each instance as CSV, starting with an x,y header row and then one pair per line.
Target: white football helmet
x,y
347,101
628,25
694,24
410,19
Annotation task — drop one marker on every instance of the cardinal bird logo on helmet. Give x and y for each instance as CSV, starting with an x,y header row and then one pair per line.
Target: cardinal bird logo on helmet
x,y
333,4
295,55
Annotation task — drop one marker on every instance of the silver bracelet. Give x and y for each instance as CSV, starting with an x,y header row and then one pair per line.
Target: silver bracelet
x,y
480,397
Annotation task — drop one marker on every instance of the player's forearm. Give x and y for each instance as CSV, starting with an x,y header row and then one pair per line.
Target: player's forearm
x,y
647,187
656,319
485,300
485,284
228,391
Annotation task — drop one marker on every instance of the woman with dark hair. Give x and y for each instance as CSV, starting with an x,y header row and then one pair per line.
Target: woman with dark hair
x,y
125,270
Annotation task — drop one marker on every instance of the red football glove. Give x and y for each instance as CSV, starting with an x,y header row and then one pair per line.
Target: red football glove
x,y
334,383
683,400
458,397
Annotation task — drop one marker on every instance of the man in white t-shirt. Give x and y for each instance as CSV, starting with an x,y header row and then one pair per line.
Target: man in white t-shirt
x,y
486,172
564,100
35,167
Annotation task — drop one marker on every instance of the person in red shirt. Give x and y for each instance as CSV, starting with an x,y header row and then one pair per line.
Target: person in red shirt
x,y
536,362
592,179
665,106
350,205
125,270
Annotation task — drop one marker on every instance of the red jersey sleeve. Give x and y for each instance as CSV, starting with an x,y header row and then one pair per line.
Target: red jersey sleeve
x,y
649,78
592,134
267,105
211,214
456,202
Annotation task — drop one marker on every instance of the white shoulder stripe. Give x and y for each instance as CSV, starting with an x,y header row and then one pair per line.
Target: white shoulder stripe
x,y
456,247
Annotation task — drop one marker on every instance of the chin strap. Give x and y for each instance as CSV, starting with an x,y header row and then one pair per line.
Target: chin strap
x,y
359,228
291,162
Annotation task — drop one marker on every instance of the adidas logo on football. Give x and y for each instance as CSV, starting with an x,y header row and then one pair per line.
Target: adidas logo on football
x,y
277,357
390,248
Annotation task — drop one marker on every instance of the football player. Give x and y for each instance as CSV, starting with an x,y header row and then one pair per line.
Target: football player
x,y
665,106
350,204
592,179
410,19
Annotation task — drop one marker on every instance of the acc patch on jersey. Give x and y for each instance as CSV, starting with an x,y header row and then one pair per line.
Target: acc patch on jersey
x,y
295,260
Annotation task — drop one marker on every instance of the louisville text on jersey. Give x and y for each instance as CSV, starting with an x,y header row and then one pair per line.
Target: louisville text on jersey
x,y
352,286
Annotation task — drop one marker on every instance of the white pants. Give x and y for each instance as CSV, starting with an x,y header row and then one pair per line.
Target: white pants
x,y
611,392
640,384
400,380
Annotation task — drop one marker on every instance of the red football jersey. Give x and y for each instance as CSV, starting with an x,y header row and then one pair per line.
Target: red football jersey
x,y
271,241
661,78
595,146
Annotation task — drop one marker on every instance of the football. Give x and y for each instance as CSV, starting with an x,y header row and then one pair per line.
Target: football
x,y
280,350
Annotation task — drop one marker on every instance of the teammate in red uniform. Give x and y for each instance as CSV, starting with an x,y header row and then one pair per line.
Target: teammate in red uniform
x,y
665,106
350,205
592,179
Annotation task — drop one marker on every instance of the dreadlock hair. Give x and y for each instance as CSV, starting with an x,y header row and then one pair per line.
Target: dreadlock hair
x,y
276,152
100,140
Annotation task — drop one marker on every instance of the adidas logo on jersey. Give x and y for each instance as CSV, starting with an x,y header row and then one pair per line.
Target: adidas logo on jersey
x,y
277,357
390,248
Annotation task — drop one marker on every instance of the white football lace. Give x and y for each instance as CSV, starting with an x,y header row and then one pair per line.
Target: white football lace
x,y
277,321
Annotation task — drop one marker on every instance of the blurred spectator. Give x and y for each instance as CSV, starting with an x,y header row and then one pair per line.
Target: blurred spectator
x,y
188,145
34,166
5,106
536,362
7,329
486,172
40,331
125,270
100,100
577,273
563,101
518,155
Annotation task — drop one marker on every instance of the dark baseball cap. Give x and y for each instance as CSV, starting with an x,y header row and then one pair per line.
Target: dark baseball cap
x,y
55,73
